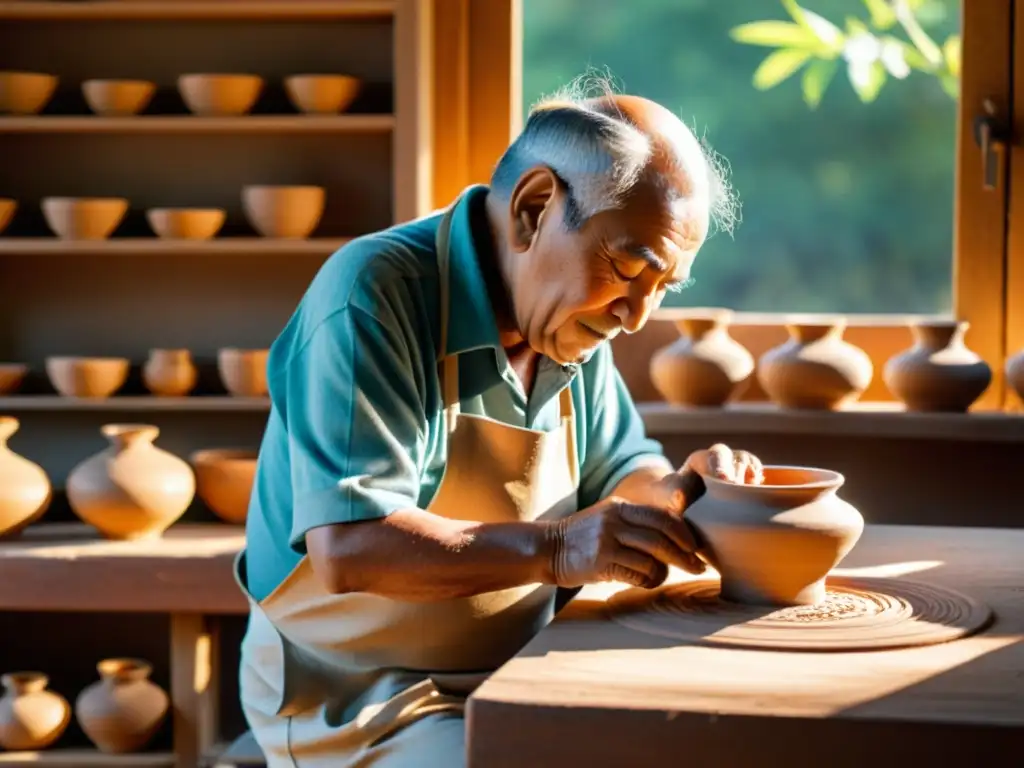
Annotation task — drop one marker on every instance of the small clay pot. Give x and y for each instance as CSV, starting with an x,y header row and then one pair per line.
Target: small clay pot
x,y
31,717
84,218
118,98
243,371
123,710
11,377
87,376
7,210
220,95
815,368
938,373
25,93
706,366
186,223
224,480
1015,374
25,490
169,372
283,211
774,544
321,94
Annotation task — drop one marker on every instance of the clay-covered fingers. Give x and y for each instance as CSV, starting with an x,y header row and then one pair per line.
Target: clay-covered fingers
x,y
721,464
747,468
665,537
633,567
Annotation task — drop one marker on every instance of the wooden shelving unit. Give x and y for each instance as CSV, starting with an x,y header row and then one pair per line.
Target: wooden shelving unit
x,y
200,124
134,403
142,246
85,758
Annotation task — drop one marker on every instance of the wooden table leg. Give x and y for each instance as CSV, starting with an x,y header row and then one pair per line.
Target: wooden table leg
x,y
194,679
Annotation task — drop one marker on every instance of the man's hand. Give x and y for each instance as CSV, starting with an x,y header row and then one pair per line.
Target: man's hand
x,y
722,463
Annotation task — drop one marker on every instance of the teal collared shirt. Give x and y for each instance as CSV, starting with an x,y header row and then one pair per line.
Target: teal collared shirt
x,y
356,427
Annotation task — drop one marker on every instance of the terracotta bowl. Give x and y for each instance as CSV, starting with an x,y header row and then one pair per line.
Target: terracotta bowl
x,y
118,97
220,94
186,223
11,376
224,479
25,93
321,94
243,371
283,211
87,376
84,218
7,209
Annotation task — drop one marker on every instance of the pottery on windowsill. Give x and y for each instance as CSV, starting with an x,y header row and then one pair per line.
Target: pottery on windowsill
x,y
25,489
84,218
283,211
31,716
123,710
94,377
169,372
224,480
243,372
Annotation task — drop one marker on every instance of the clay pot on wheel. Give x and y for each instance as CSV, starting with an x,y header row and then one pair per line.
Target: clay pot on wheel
x,y
706,366
25,490
1015,373
815,368
123,710
132,489
774,544
31,717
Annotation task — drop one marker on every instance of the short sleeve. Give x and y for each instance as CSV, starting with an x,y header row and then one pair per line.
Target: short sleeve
x,y
616,443
355,421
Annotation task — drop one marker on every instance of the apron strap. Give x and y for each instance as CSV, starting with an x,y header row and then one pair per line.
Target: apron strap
x,y
567,411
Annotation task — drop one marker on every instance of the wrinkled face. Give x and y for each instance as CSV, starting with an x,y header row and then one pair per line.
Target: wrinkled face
x,y
573,290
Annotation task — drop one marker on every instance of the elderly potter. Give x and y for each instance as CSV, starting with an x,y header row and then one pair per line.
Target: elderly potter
x,y
450,444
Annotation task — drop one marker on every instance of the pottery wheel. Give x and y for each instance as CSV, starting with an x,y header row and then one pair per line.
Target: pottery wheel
x,y
857,614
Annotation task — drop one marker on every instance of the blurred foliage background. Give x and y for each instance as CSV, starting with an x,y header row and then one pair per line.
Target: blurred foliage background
x,y
847,207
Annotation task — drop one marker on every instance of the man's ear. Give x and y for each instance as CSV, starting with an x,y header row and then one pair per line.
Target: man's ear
x,y
531,198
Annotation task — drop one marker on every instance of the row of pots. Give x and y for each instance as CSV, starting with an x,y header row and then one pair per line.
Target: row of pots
x,y
27,93
119,713
278,211
166,373
130,490
817,369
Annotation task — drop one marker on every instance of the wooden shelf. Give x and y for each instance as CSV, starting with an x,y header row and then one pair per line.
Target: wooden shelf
x,y
88,10
211,403
861,420
143,246
198,124
86,758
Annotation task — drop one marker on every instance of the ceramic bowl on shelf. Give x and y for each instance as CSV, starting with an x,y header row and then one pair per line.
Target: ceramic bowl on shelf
x,y
118,97
7,209
283,211
224,479
221,95
186,223
11,377
322,94
84,218
87,376
243,372
25,93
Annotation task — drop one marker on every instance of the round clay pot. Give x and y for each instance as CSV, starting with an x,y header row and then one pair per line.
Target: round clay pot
x,y
815,368
243,371
25,93
7,209
938,373
1015,373
118,97
186,223
87,376
283,211
31,717
84,218
25,490
706,366
169,372
11,376
132,489
123,710
224,480
321,94
774,544
215,94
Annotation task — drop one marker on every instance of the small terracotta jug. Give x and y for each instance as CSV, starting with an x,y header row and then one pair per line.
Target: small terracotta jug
x,y
774,544
123,710
1015,374
815,368
243,372
132,489
706,366
169,372
938,373
31,717
25,489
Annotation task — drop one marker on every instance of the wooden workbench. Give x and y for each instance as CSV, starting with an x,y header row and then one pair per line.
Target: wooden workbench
x,y
590,692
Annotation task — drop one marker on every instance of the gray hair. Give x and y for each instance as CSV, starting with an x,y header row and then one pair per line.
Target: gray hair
x,y
598,155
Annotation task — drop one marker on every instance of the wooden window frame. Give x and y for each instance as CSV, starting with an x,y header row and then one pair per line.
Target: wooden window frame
x,y
477,110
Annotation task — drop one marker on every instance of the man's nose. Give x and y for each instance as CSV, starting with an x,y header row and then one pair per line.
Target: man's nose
x,y
634,310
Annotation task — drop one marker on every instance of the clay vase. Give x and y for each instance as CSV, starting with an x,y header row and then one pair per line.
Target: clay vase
x,y
774,544
169,372
706,366
1015,373
132,489
25,490
31,717
938,373
123,710
815,368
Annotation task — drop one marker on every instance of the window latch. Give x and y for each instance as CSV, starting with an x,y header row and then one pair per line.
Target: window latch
x,y
992,136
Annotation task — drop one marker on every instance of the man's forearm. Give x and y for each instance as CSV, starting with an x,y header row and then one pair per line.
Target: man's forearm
x,y
416,555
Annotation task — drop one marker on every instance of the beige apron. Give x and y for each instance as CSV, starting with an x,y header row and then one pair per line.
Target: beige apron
x,y
360,680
